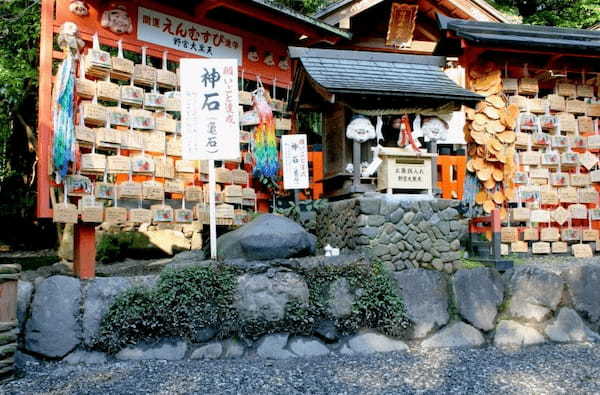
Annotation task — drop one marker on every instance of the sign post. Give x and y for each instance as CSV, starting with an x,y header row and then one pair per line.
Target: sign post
x,y
210,119
294,154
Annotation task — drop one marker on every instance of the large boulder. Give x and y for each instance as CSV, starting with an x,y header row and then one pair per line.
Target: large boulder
x,y
569,327
167,349
425,294
53,329
24,292
265,296
168,240
273,347
534,293
99,295
307,347
369,342
478,293
267,237
583,284
457,334
513,334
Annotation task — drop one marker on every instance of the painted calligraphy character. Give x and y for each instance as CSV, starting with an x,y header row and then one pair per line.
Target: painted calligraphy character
x,y
180,31
235,44
193,47
210,77
156,22
206,36
194,34
167,26
228,43
177,41
146,20
211,143
209,50
186,44
213,105
218,39
201,48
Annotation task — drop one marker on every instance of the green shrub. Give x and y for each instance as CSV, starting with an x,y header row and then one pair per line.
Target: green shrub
x,y
184,302
115,247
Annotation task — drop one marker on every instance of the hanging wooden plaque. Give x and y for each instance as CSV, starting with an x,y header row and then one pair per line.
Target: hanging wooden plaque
x,y
183,215
185,166
568,195
164,168
115,215
152,190
142,164
65,213
580,180
540,216
595,214
565,89
132,140
118,164
174,186
570,234
561,215
588,195
155,141
559,247
519,247
531,234
130,190
193,194
540,247
401,25
104,190
582,250
549,234
509,235
93,163
140,215
589,234
578,211
162,213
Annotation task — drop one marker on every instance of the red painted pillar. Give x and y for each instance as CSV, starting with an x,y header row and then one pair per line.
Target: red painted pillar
x,y
84,250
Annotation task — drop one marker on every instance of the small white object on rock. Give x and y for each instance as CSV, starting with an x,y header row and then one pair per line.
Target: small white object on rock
x,y
331,251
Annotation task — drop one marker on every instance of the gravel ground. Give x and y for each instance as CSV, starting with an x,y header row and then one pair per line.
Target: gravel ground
x,y
541,370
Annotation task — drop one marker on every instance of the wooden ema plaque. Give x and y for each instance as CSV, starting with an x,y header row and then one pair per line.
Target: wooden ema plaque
x,y
540,247
404,170
140,215
115,215
519,246
559,247
65,213
582,250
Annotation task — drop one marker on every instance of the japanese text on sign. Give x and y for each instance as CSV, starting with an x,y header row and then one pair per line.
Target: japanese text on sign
x,y
186,36
295,161
209,109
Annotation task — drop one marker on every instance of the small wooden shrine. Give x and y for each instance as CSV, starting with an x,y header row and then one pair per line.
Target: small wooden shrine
x,y
369,84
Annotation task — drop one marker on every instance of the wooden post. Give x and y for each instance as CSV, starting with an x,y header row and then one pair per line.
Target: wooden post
x,y
496,237
84,250
212,209
356,164
434,173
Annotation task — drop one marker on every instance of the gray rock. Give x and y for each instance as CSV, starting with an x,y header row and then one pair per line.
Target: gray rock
x,y
425,295
441,245
450,256
265,296
99,295
232,349
376,220
396,216
370,205
211,350
569,327
167,349
380,250
346,350
341,298
370,232
307,347
478,293
457,334
408,217
388,206
438,264
267,237
449,214
534,292
455,245
326,330
272,347
362,220
369,342
24,291
426,257
53,329
203,335
583,284
85,357
511,333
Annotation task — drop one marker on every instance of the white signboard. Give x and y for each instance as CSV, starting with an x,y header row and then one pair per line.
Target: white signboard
x,y
210,126
169,31
295,161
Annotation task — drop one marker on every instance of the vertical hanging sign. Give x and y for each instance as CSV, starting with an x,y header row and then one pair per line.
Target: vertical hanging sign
x,y
209,109
295,161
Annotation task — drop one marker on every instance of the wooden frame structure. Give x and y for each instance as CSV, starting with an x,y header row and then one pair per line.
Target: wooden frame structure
x,y
262,18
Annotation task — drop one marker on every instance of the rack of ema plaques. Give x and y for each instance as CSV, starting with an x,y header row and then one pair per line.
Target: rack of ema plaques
x,y
404,171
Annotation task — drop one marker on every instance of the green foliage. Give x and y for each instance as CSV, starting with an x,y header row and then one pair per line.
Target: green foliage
x,y
185,302
304,213
563,13
305,6
115,247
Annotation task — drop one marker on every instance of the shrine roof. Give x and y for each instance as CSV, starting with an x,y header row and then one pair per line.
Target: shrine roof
x,y
502,35
378,73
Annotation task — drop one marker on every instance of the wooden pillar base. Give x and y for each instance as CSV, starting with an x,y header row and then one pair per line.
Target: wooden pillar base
x,y
84,250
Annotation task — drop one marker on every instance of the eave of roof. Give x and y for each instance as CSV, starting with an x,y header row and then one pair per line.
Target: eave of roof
x,y
302,18
384,74
544,38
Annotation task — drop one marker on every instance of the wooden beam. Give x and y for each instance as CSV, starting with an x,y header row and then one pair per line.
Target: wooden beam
x,y
350,10
416,47
44,141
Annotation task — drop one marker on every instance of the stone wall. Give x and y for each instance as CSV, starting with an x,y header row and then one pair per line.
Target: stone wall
x,y
59,316
403,231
